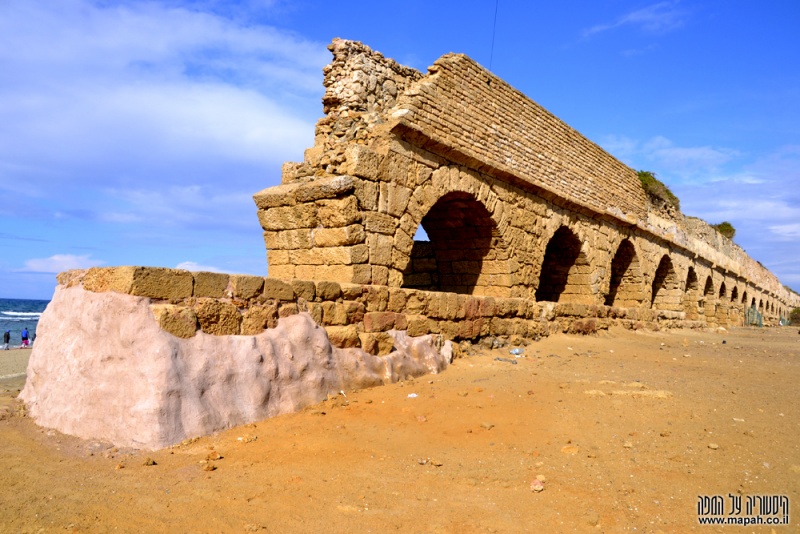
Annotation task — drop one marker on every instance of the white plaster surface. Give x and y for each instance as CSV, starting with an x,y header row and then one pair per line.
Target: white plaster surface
x,y
103,369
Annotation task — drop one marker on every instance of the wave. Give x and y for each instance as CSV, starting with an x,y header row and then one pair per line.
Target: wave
x,y
21,314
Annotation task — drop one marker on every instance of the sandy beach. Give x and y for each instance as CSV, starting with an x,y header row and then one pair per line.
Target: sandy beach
x,y
618,432
13,363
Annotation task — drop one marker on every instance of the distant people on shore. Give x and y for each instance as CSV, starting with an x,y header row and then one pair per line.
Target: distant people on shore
x,y
24,337
33,338
6,339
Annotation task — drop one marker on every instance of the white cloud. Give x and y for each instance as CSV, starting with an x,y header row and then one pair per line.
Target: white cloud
x,y
661,17
788,231
663,156
196,267
60,263
117,92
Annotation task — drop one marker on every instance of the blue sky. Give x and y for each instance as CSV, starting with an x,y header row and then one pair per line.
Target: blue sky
x,y
135,133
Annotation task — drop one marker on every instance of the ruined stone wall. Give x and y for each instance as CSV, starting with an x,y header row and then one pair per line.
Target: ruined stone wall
x,y
185,303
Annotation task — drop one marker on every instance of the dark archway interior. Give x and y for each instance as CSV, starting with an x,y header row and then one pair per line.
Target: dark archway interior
x,y
565,269
690,295
665,290
734,294
625,288
464,253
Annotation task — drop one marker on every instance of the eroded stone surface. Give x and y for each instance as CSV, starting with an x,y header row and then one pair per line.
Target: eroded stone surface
x,y
102,368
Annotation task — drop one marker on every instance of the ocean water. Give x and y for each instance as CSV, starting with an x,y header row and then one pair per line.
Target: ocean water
x,y
16,314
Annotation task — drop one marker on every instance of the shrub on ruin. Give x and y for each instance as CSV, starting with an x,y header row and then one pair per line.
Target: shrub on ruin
x,y
725,228
794,317
657,190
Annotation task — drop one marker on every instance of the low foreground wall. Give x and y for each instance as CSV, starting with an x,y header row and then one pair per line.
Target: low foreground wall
x,y
102,368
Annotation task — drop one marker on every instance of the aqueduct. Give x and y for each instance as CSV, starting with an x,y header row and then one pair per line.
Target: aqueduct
x,y
514,203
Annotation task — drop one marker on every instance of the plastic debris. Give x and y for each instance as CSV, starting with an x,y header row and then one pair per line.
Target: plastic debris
x,y
412,395
518,351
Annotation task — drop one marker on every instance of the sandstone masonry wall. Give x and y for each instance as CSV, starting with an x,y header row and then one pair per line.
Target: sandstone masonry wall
x,y
502,188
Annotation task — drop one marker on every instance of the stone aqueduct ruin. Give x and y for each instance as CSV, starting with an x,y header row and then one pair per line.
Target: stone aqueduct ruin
x,y
532,229
515,203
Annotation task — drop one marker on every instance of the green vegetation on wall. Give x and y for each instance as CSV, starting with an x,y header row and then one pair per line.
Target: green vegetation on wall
x,y
794,317
656,189
725,228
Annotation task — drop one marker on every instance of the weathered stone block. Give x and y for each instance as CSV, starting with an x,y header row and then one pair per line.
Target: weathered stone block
x,y
384,321
258,318
362,274
324,188
339,212
278,290
333,313
351,291
288,239
328,290
212,285
180,321
102,279
343,336
291,217
162,283
381,223
304,289
287,308
361,161
217,317
377,343
418,325
284,272
354,311
337,237
246,287
397,299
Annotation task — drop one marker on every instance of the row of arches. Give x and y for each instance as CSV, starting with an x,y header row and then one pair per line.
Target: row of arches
x,y
466,252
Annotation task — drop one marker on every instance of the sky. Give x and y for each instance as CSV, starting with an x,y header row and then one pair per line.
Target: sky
x,y
136,132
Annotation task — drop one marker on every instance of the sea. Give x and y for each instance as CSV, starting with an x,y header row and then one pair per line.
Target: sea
x,y
16,314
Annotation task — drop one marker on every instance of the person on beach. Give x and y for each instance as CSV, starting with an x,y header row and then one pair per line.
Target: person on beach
x,y
24,337
6,339
33,338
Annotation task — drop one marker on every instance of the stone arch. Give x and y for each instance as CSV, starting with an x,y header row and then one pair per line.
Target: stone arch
x,y
625,286
565,272
708,301
735,294
665,293
465,252
722,305
690,295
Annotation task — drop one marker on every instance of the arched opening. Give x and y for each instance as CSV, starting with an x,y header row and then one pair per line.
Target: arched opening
x,y
735,294
565,270
665,293
753,304
464,253
744,298
708,303
690,295
625,287
722,305
761,305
